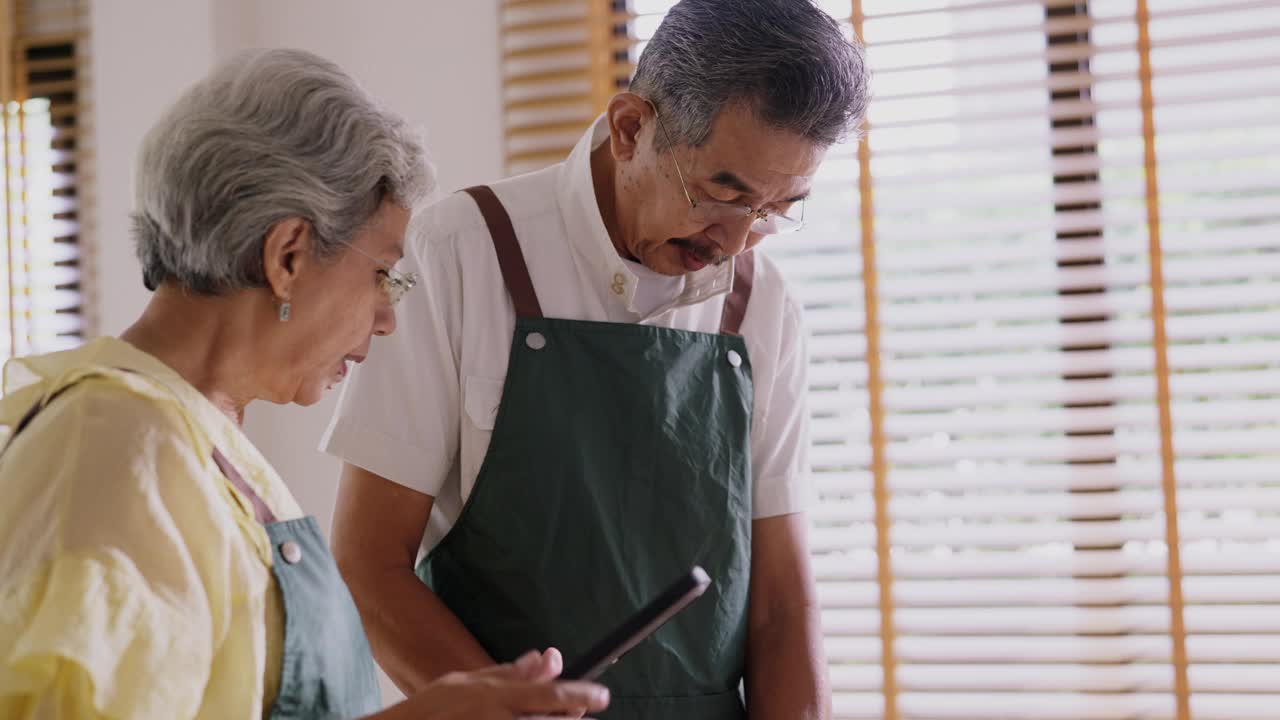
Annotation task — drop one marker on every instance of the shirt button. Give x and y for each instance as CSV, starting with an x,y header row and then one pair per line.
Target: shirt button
x,y
734,358
535,341
619,285
291,552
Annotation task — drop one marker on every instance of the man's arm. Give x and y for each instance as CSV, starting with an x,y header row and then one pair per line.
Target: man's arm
x,y
391,474
377,528
786,665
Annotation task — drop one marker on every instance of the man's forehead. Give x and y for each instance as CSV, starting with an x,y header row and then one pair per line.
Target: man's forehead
x,y
743,150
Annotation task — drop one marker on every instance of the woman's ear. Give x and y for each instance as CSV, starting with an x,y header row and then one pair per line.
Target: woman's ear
x,y
286,250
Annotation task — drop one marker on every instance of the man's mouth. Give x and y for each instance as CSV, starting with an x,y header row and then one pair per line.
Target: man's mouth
x,y
698,254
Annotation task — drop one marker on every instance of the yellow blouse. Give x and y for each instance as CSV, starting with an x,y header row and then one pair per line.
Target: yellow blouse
x,y
134,580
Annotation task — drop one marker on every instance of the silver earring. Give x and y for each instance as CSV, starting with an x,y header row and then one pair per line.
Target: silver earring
x,y
284,311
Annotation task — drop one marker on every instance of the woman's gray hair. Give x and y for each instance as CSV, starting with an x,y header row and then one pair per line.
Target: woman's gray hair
x,y
787,59
271,134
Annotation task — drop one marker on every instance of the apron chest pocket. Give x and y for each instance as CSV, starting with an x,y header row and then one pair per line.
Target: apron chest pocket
x,y
480,398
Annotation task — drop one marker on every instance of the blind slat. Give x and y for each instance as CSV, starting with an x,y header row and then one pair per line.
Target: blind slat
x,y
45,184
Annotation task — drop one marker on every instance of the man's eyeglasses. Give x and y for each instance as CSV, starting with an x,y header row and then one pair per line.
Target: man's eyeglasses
x,y
710,212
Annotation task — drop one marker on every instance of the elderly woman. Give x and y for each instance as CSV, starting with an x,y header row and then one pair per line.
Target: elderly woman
x,y
152,563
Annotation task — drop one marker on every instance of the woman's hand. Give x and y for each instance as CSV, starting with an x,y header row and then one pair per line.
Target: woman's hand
x,y
547,666
518,690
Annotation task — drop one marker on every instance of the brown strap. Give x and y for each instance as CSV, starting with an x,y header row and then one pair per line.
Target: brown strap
x,y
735,305
515,273
260,509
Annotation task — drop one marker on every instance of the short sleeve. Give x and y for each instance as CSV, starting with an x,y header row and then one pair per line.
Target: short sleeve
x,y
780,442
121,593
384,422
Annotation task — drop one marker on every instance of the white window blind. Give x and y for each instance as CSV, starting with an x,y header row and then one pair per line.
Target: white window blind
x,y
1021,399
1069,323
42,109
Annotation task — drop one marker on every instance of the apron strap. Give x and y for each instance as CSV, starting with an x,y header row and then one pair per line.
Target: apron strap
x,y
515,273
260,509
735,304
35,410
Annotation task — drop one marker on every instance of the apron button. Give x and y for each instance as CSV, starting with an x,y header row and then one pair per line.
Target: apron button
x,y
291,552
535,341
734,358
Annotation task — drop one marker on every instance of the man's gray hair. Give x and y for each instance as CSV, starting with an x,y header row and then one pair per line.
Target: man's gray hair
x,y
786,59
271,134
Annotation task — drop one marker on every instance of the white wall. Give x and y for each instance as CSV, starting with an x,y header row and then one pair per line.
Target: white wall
x,y
135,75
437,63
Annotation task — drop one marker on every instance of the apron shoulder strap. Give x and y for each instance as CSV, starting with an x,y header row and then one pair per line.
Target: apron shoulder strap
x,y
515,273
44,402
260,510
735,304
35,410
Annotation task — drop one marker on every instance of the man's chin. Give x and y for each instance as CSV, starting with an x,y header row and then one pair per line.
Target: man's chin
x,y
664,260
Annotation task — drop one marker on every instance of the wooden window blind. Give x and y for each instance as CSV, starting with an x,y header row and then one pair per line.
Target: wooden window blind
x,y
1043,300
42,108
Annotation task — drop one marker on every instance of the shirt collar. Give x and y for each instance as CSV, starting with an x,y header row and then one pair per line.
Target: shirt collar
x,y
603,268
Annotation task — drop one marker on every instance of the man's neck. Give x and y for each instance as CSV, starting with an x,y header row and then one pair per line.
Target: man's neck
x,y
602,180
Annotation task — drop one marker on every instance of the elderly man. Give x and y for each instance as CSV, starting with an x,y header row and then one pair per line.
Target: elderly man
x,y
603,385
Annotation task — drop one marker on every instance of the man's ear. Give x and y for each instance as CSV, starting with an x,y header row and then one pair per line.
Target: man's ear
x,y
627,114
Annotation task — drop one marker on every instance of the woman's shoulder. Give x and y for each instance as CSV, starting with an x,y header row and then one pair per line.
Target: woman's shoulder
x,y
102,412
107,463
119,555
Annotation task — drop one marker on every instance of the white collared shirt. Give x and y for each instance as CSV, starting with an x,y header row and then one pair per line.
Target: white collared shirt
x,y
653,289
420,410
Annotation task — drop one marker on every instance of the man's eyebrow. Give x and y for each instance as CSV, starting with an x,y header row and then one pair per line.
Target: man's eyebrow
x,y
733,182
727,179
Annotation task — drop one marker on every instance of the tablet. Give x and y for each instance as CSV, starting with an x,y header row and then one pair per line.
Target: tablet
x,y
639,626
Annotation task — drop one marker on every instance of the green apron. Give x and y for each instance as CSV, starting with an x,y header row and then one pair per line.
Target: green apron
x,y
327,670
619,459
